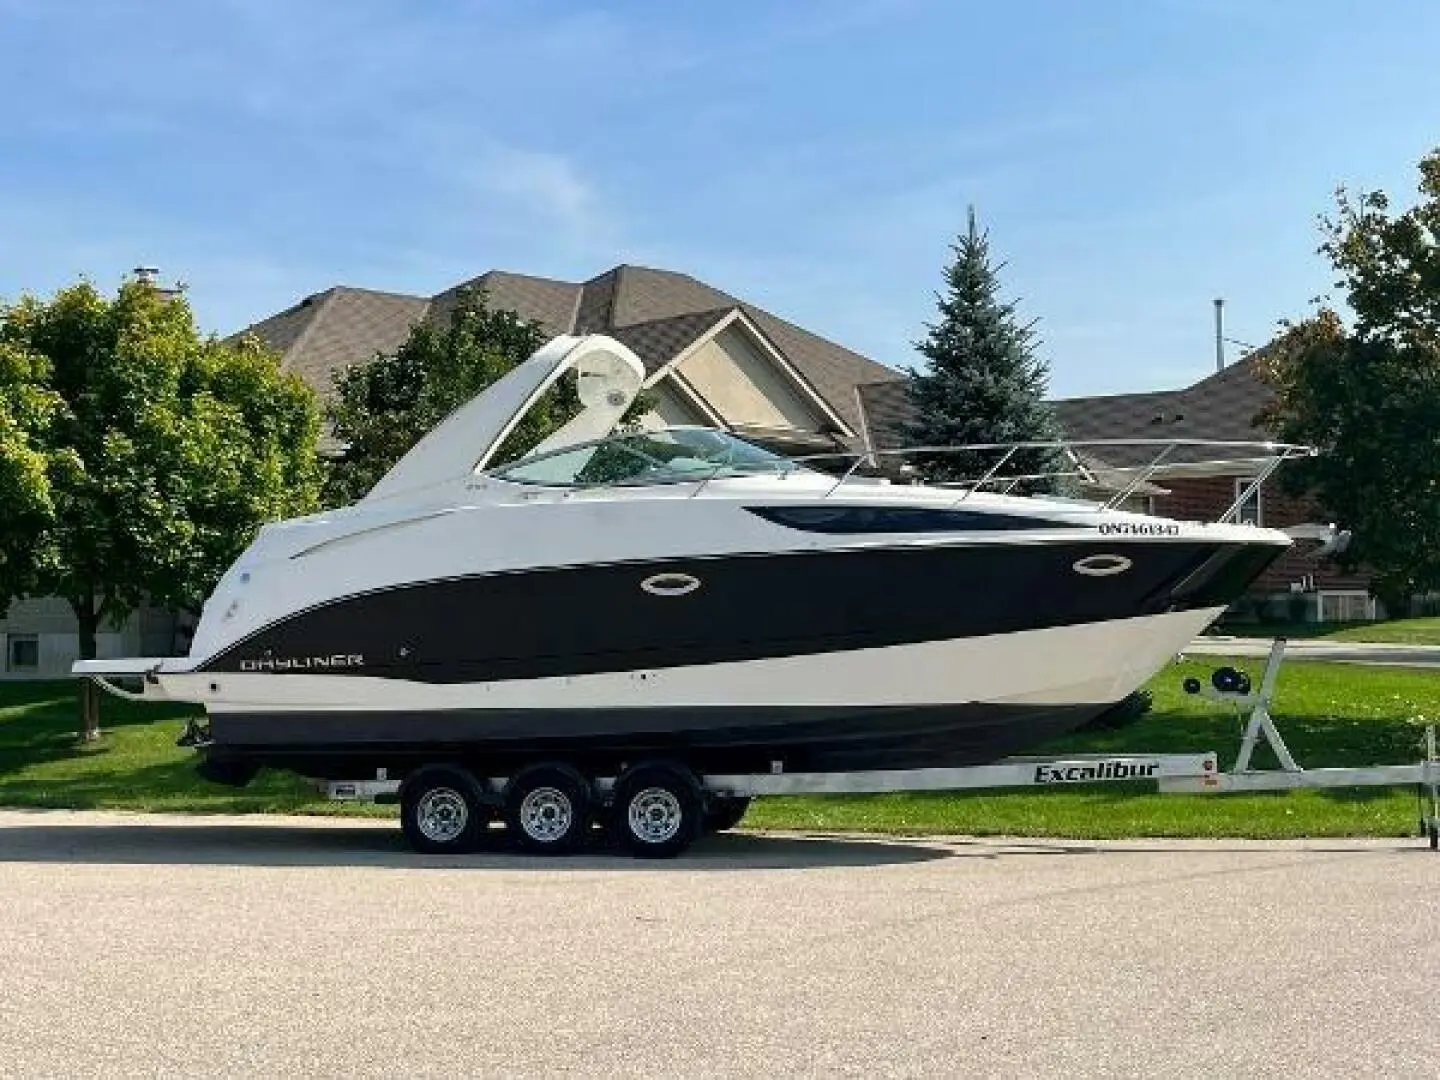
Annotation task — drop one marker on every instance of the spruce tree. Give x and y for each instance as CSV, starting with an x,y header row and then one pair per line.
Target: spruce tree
x,y
981,382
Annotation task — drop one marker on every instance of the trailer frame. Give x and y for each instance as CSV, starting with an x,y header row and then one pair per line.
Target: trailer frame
x,y
1192,773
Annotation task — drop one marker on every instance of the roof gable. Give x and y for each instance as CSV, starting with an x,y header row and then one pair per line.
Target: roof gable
x,y
832,370
659,341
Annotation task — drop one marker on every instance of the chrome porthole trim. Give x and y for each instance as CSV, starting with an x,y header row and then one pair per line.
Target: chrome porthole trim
x,y
670,584
1101,565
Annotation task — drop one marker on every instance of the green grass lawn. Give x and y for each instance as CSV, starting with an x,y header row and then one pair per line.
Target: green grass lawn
x,y
135,765
1330,714
1391,632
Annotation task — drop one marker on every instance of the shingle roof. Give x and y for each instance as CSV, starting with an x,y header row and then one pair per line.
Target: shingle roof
x,y
595,311
550,303
281,330
653,311
1221,407
642,294
887,409
326,332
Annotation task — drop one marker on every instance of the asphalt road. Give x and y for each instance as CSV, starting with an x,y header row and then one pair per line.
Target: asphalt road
x,y
1347,652
146,946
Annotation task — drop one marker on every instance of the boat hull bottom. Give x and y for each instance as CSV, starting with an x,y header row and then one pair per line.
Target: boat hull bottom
x,y
351,745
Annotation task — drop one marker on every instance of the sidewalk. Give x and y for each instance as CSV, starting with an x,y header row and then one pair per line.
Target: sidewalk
x,y
1346,652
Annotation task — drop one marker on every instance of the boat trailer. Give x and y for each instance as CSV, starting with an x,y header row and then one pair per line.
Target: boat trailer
x,y
1196,773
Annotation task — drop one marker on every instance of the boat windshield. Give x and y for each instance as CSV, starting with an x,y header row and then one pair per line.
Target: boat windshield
x,y
669,456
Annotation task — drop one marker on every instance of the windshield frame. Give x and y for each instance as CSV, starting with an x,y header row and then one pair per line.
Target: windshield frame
x,y
775,465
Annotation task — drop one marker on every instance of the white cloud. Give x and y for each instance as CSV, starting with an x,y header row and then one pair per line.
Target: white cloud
x,y
548,185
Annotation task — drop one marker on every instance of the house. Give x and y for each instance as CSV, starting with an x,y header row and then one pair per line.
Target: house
x,y
41,642
710,358
1222,407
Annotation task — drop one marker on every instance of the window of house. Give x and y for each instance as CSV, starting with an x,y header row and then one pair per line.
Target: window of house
x,y
1251,512
23,652
1346,606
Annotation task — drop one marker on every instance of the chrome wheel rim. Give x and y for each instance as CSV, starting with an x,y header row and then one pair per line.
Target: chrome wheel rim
x,y
546,814
442,815
655,815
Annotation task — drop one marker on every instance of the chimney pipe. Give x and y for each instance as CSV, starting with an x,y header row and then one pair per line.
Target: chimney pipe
x,y
1219,334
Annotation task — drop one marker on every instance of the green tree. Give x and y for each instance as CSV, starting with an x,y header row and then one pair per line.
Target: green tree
x,y
1372,405
138,457
981,381
1368,394
383,408
1388,264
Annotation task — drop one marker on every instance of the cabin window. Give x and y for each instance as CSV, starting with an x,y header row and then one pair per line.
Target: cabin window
x,y
23,652
673,455
1251,511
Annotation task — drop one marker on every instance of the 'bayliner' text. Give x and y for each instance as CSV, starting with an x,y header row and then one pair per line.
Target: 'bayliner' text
x,y
302,663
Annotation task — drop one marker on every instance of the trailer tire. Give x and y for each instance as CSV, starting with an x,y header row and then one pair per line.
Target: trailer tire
x,y
547,809
659,809
725,812
442,811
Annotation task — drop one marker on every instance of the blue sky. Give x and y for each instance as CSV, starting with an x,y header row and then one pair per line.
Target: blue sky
x,y
1132,158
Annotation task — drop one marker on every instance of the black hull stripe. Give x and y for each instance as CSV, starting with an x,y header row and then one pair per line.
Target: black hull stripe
x,y
811,738
595,619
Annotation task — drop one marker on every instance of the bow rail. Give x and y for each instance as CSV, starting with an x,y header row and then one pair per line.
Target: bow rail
x,y
1159,460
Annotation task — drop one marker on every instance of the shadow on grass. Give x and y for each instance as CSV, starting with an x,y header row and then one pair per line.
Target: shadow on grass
x,y
173,785
40,722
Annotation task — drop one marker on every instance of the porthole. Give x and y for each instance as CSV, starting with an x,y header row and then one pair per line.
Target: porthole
x,y
1101,565
670,584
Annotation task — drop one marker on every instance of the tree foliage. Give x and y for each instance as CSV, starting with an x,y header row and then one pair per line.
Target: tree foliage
x,y
384,407
982,381
1373,407
137,458
1389,263
1368,395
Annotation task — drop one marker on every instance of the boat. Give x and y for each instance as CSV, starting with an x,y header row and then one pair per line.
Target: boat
x,y
623,592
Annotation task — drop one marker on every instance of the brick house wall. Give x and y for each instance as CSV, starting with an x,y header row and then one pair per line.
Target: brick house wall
x,y
1206,498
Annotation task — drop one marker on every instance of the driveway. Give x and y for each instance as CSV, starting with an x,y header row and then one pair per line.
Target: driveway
x,y
1349,652
266,947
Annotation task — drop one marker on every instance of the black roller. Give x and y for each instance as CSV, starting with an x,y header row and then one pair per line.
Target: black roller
x,y
1229,680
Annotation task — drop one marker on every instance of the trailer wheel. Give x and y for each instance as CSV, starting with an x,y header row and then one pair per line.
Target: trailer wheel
x,y
659,809
441,811
726,811
547,809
